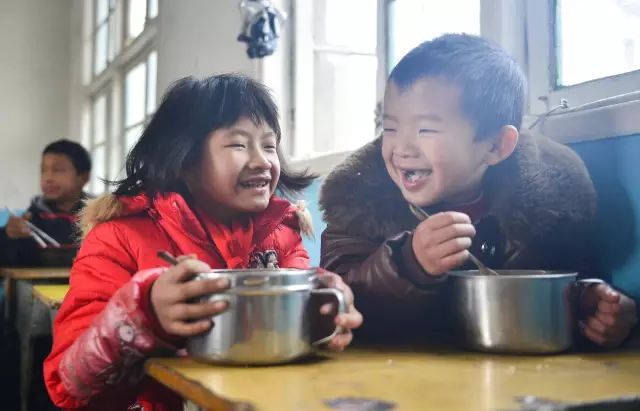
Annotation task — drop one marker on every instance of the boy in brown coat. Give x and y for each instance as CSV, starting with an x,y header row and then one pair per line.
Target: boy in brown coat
x,y
453,145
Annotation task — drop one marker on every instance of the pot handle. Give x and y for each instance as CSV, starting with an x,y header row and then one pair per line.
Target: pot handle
x,y
342,308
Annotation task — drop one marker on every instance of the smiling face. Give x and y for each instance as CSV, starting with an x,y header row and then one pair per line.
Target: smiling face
x,y
429,147
238,172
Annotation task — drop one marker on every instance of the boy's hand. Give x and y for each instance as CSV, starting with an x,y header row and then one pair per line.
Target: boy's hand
x,y
440,242
17,227
348,321
172,293
614,315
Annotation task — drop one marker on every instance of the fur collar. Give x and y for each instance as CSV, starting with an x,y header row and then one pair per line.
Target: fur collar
x,y
541,184
108,207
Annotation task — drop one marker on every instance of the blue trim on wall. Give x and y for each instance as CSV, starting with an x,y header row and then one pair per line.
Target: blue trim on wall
x,y
613,165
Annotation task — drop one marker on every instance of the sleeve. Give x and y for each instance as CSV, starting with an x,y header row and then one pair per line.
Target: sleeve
x,y
294,254
391,290
105,327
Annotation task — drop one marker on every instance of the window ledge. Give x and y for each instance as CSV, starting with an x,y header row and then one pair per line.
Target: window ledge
x,y
609,118
320,164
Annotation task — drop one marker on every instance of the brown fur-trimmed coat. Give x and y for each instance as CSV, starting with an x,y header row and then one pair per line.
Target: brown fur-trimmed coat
x,y
542,207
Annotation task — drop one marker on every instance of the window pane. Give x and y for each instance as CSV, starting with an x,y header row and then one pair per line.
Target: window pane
x,y
153,9
137,14
415,21
345,98
102,10
132,135
334,24
135,90
152,64
98,170
99,120
610,28
116,161
100,49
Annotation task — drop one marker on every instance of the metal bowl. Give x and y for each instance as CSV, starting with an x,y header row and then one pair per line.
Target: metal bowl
x,y
269,320
518,311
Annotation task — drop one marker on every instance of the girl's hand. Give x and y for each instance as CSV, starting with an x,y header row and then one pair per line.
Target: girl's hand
x,y
348,321
614,315
172,295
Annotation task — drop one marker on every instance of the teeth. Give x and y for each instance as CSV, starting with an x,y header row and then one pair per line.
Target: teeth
x,y
414,175
254,184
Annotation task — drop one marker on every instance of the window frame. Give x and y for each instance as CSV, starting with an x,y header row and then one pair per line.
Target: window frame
x,y
598,108
111,81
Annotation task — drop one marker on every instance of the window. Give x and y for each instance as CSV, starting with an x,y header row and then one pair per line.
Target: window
x,y
139,98
413,21
122,90
611,28
332,71
139,12
104,34
100,115
582,50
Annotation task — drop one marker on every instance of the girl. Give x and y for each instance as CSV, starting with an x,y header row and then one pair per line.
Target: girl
x,y
200,182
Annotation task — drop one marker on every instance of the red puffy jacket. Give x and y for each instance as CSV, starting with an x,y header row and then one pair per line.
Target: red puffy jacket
x,y
105,328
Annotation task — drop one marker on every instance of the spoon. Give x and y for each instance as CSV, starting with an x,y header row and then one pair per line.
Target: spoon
x,y
423,215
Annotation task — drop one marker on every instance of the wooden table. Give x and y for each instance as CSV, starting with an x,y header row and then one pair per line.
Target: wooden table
x,y
30,318
409,380
50,295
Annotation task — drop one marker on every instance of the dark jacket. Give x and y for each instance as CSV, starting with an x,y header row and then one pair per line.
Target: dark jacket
x,y
45,215
541,210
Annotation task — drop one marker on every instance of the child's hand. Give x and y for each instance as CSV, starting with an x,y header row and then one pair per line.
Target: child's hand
x,y
440,242
172,291
17,227
350,320
614,315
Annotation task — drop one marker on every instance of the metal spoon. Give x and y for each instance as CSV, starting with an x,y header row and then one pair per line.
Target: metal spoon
x,y
423,215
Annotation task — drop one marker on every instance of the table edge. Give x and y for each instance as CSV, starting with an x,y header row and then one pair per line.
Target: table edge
x,y
193,390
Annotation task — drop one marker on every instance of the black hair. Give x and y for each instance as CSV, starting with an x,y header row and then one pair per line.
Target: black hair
x,y
492,85
189,112
78,155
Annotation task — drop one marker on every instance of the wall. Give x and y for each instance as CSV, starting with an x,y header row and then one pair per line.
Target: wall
x,y
613,166
34,82
198,37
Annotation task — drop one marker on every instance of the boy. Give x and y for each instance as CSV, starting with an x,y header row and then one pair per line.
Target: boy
x,y
64,171
452,143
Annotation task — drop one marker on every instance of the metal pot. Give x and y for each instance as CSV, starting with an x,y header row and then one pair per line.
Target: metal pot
x,y
269,319
518,311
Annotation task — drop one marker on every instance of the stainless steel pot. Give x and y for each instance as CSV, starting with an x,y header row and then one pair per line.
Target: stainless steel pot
x,y
269,319
519,311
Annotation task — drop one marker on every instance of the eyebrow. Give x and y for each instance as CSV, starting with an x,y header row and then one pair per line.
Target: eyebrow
x,y
428,117
244,133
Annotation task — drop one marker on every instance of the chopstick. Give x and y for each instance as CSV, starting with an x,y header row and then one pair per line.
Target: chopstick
x,y
166,256
39,235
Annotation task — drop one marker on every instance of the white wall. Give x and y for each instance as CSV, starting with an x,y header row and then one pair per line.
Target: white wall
x,y
198,37
34,90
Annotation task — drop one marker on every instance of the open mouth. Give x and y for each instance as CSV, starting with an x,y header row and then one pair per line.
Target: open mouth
x,y
255,183
414,176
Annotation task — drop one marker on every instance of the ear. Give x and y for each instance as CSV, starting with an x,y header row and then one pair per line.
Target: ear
x,y
502,145
83,178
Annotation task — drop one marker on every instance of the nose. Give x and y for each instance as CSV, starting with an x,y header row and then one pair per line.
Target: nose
x,y
259,160
406,146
